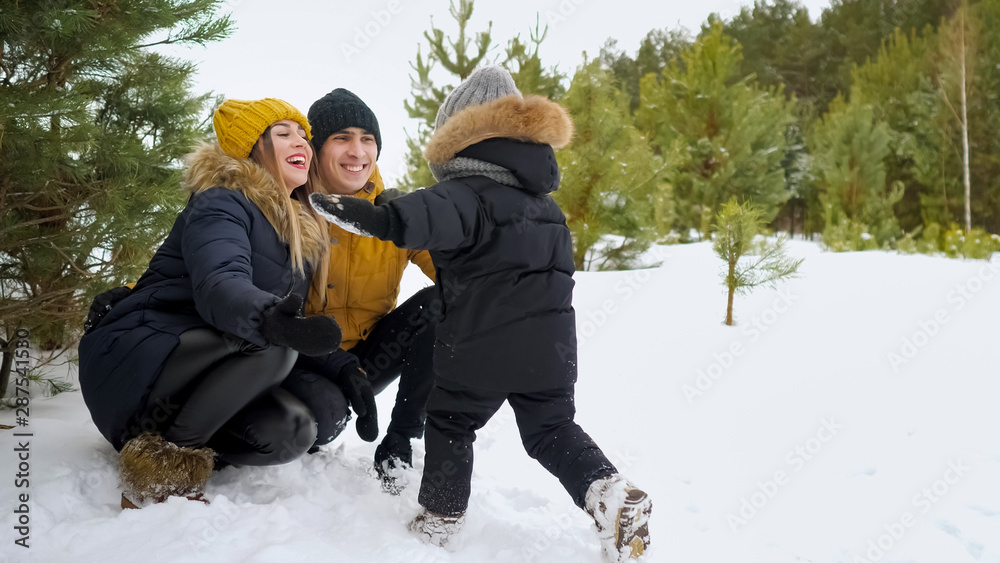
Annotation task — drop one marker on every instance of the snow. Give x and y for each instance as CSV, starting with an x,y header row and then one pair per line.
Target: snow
x,y
850,416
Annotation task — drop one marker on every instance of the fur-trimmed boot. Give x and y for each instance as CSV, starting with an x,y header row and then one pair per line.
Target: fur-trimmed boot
x,y
436,529
153,469
621,511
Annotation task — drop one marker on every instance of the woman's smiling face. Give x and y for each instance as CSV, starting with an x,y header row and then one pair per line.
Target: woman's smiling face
x,y
292,151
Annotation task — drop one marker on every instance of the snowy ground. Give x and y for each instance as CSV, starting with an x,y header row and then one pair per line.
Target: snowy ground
x,y
850,416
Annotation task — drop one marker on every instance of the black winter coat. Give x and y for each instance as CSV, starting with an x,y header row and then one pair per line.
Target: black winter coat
x,y
504,263
222,264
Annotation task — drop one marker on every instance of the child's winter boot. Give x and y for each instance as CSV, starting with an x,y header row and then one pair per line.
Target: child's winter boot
x,y
621,512
436,529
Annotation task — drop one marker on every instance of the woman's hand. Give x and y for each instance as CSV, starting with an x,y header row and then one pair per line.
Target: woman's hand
x,y
283,325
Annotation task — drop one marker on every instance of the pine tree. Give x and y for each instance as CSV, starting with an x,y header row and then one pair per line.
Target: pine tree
x,y
656,50
938,149
426,101
522,60
897,86
92,126
986,117
780,48
728,132
849,149
750,262
527,70
455,56
852,31
610,184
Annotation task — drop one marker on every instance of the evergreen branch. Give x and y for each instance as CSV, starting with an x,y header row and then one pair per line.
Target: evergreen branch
x,y
770,266
22,243
41,221
28,206
71,261
167,41
35,302
199,35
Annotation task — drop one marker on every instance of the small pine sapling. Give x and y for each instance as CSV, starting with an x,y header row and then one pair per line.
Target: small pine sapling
x,y
750,261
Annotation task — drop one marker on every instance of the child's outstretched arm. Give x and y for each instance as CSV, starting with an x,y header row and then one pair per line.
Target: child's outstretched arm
x,y
353,214
440,218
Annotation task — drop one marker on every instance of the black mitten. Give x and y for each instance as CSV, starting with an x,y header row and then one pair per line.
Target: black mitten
x,y
283,325
395,452
353,214
388,195
353,381
102,305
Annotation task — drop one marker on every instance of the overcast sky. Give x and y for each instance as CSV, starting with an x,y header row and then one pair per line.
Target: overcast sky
x,y
298,50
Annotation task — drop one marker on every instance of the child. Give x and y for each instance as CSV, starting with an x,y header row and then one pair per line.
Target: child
x,y
505,264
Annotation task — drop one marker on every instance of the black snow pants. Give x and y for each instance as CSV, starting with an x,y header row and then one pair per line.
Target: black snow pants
x,y
400,345
549,434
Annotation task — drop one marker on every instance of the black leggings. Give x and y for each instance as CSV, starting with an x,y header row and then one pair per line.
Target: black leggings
x,y
220,391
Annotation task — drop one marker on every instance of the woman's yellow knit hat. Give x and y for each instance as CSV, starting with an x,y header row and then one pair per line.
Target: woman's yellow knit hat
x,y
239,123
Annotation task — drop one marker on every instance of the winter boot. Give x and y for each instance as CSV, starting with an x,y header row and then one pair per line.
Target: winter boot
x,y
153,469
392,455
621,512
436,529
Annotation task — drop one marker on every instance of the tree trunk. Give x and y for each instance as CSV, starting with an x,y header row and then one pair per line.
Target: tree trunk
x,y
731,283
965,136
729,307
579,256
8,361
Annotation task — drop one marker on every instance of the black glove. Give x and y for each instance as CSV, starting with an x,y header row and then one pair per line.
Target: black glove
x,y
102,305
388,195
282,325
353,214
353,381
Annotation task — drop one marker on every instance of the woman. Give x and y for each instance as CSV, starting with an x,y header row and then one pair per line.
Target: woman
x,y
186,368
363,277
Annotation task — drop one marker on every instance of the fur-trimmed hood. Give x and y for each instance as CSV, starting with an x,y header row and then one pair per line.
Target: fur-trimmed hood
x,y
533,119
209,167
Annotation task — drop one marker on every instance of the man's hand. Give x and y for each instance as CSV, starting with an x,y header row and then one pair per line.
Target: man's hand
x,y
353,381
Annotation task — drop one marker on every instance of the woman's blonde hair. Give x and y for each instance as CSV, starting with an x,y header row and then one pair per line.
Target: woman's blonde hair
x,y
263,154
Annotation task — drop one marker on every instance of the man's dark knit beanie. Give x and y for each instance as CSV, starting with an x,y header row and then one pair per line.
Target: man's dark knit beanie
x,y
337,111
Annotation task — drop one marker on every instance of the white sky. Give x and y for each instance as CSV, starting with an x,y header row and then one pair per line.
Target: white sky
x,y
298,50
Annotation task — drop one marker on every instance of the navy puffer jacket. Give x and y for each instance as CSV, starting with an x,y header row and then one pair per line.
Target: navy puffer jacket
x,y
225,260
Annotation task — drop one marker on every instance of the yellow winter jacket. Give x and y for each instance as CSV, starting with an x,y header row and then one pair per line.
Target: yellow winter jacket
x,y
364,275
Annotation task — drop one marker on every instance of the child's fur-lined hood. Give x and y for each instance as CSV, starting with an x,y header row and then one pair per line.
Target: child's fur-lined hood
x,y
209,167
533,119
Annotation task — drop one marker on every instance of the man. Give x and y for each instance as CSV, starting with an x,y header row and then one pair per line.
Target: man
x,y
363,283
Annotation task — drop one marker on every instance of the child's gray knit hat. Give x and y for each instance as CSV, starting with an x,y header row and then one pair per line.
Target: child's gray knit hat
x,y
484,85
